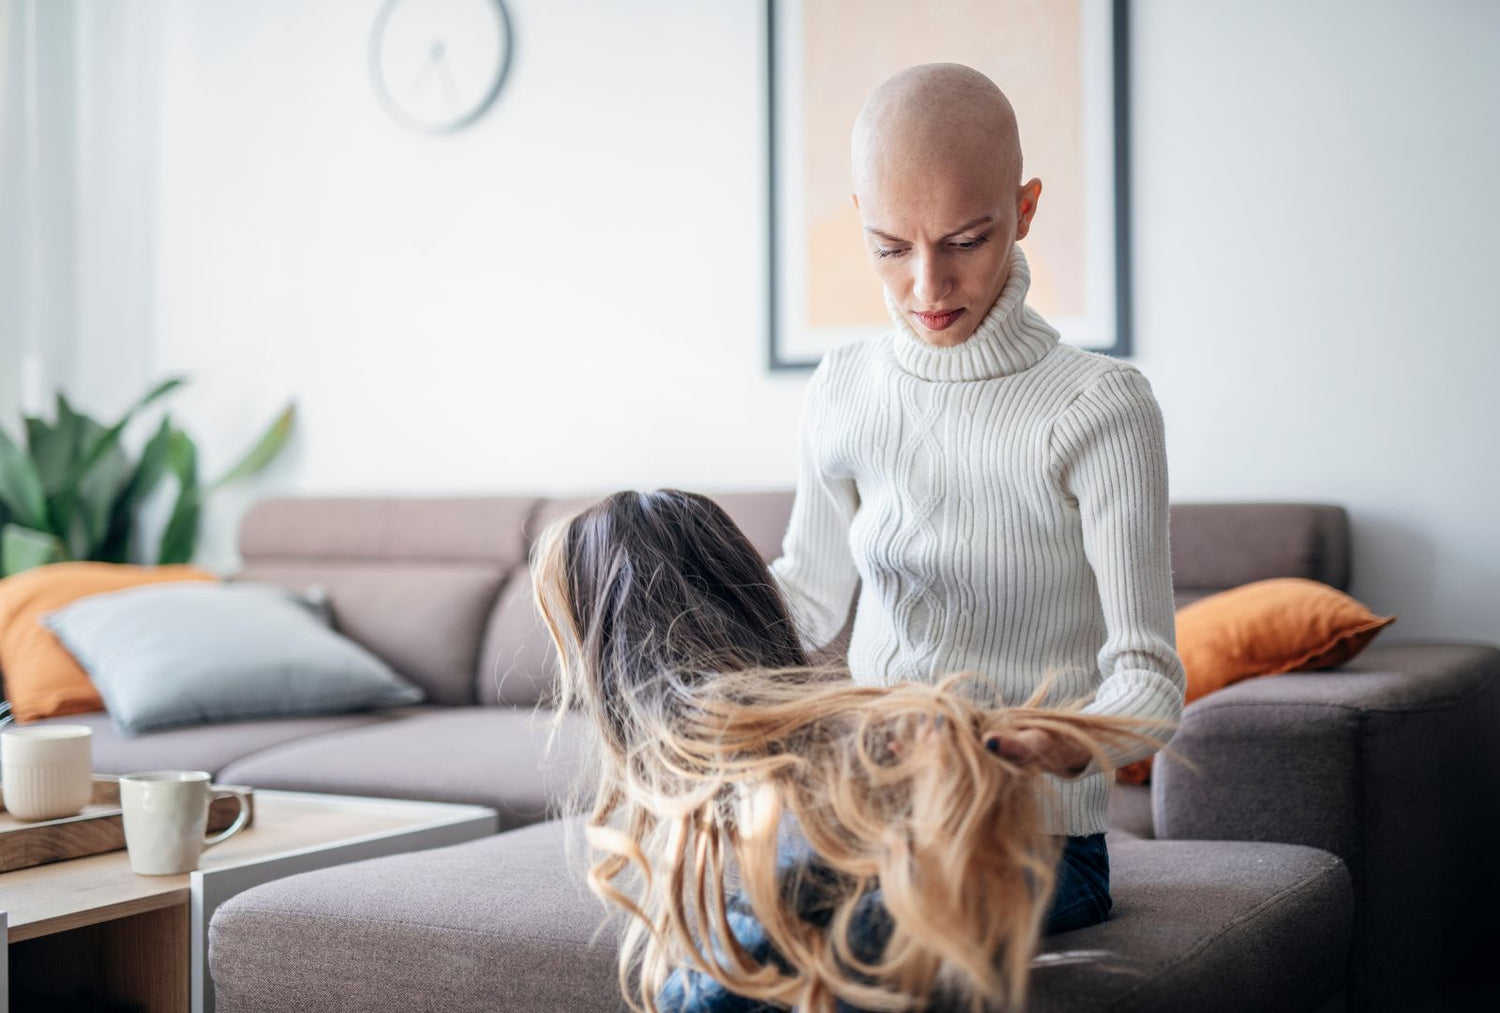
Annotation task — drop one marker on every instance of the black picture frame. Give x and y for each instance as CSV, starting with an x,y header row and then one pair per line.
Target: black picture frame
x,y
1120,76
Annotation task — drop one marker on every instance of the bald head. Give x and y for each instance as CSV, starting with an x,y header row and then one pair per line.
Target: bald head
x,y
937,184
943,113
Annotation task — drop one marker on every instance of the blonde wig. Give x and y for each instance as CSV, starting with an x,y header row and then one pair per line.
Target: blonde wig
x,y
714,731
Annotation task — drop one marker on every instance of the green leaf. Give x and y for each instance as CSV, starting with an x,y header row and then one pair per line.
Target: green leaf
x,y
154,459
116,545
181,534
37,431
96,448
50,451
21,487
22,548
148,473
93,499
77,537
263,452
55,448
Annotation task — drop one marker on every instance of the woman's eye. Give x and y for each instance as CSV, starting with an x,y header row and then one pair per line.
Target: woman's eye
x,y
972,244
882,252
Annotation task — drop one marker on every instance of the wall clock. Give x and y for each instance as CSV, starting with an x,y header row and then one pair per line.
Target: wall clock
x,y
437,65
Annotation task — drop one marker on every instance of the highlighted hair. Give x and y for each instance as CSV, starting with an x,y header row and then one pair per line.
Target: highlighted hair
x,y
714,731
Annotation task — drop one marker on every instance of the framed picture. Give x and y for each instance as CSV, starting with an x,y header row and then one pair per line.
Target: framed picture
x,y
1062,63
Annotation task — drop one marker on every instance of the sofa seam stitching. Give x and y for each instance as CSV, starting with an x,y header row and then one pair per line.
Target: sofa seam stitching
x,y
1249,916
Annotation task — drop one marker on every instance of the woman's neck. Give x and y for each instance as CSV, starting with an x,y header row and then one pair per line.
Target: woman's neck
x,y
1010,339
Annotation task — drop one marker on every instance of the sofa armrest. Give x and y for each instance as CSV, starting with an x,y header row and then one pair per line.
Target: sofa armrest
x,y
1392,763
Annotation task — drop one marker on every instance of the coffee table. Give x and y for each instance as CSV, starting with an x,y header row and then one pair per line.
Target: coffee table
x,y
89,929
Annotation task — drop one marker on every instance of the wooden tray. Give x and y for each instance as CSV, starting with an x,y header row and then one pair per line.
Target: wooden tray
x,y
99,828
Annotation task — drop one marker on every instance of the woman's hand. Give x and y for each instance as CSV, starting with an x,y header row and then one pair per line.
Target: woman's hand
x,y
1037,747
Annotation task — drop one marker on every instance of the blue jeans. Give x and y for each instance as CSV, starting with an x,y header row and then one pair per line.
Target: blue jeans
x,y
1080,899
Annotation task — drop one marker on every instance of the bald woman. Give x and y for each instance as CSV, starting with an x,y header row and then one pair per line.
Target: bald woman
x,y
998,497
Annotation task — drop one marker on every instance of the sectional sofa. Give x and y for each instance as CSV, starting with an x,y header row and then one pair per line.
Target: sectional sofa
x,y
1333,850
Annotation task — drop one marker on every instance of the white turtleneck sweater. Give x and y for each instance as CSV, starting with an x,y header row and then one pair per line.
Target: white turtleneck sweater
x,y
1002,506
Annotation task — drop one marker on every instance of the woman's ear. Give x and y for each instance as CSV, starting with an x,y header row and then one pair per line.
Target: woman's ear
x,y
1027,198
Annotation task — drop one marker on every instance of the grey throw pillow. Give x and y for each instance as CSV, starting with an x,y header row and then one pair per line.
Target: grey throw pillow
x,y
188,653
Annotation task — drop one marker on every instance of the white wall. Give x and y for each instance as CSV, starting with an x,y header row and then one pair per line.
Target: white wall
x,y
570,295
1318,233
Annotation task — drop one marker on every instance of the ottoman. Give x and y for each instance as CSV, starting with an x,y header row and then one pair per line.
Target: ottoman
x,y
505,923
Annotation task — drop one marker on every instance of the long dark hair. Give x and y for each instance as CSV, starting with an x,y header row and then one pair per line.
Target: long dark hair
x,y
666,590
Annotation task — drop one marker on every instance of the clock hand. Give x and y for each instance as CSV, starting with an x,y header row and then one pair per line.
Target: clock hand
x,y
426,69
457,100
434,55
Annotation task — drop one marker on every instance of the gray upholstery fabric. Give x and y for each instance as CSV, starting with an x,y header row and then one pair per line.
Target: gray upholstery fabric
x,y
506,924
1393,764
438,588
424,620
414,579
207,747
496,924
494,756
1222,545
1207,926
1130,811
462,529
517,662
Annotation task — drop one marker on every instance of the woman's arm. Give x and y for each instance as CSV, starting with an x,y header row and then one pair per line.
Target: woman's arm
x,y
1109,452
816,572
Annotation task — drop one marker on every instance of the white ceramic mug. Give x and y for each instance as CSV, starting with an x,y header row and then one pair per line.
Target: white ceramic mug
x,y
47,770
166,812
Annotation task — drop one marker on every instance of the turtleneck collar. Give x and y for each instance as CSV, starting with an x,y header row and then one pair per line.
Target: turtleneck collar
x,y
1011,338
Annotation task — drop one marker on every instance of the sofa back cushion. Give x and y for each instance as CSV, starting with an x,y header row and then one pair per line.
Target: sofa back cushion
x,y
413,580
1216,546
439,589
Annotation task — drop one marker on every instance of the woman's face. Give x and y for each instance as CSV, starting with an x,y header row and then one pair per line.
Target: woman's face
x,y
939,234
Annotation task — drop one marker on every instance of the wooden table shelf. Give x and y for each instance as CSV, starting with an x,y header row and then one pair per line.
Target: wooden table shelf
x,y
90,932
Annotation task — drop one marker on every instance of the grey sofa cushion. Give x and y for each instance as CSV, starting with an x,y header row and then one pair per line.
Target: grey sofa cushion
x,y
498,924
506,923
1392,763
494,756
206,747
413,579
424,620
168,655
1130,811
1202,925
1216,546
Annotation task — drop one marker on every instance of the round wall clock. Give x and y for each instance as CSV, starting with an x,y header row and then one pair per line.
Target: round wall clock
x,y
436,65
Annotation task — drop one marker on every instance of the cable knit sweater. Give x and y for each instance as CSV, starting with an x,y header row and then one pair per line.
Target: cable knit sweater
x,y
1002,506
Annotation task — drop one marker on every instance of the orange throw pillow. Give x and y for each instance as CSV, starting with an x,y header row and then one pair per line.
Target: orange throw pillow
x,y
1265,628
41,678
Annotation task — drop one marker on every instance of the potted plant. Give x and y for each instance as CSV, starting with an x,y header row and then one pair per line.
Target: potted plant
x,y
73,492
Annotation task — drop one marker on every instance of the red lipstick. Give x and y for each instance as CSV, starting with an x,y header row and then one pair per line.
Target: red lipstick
x,y
939,321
